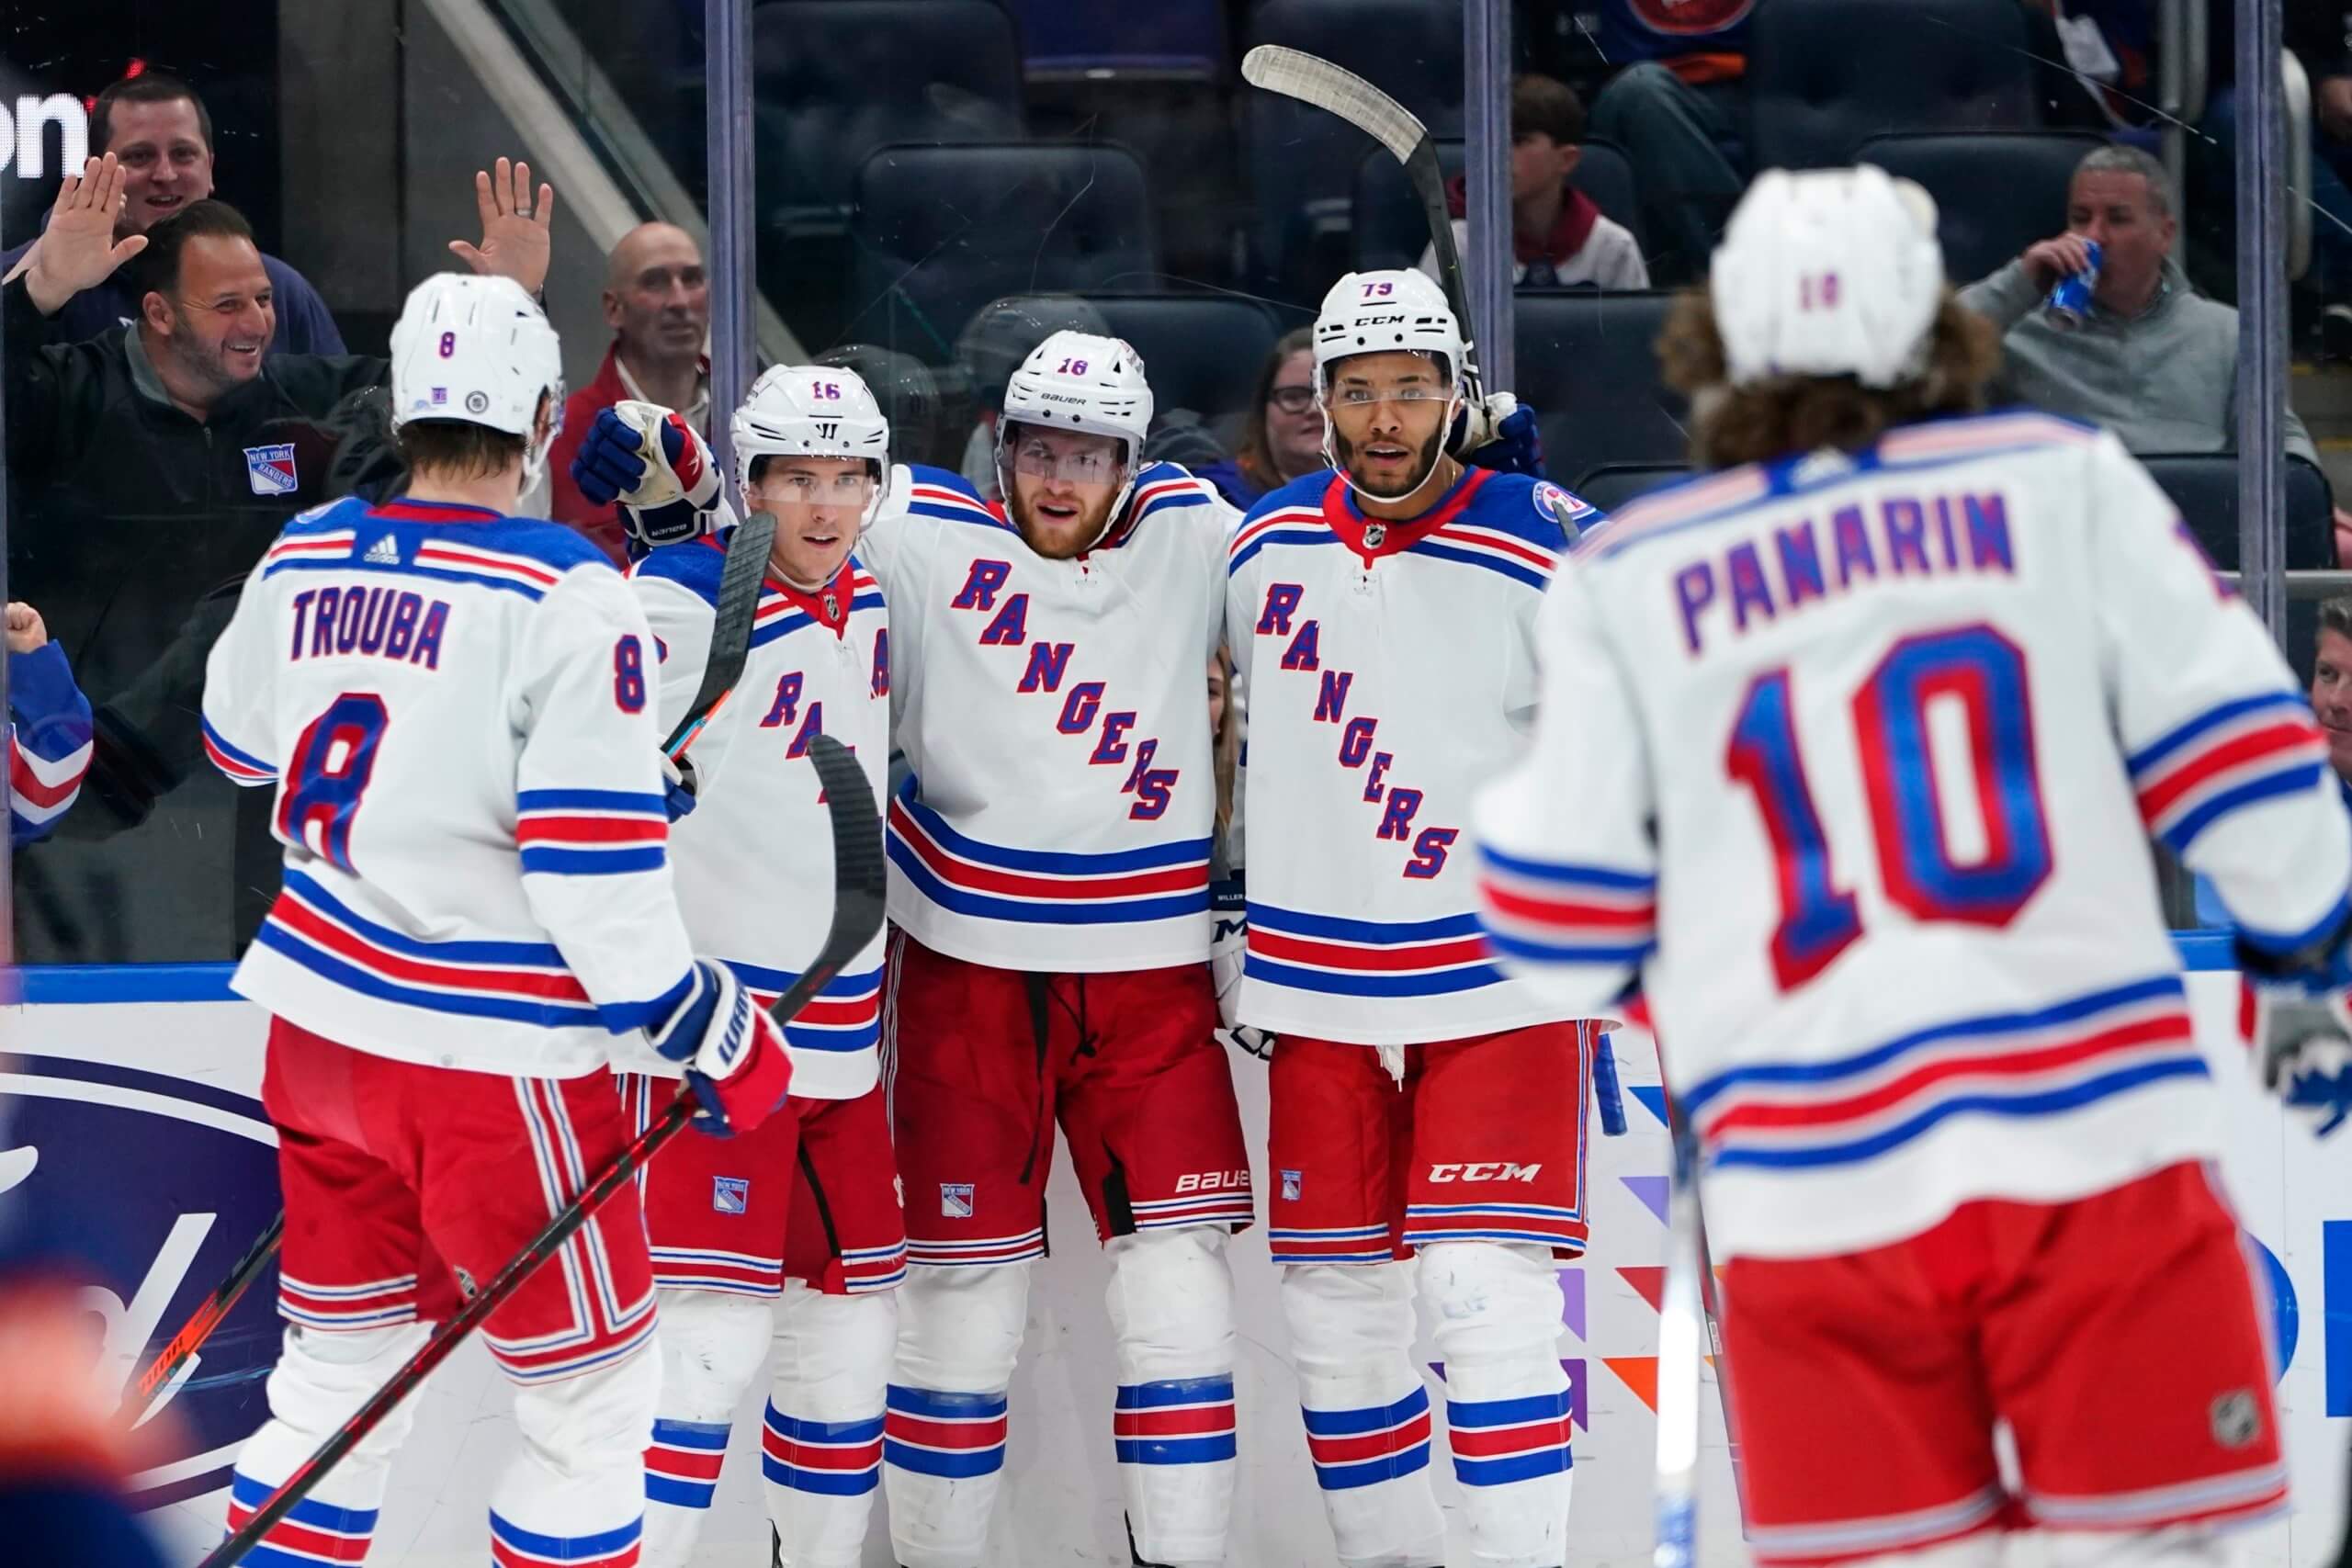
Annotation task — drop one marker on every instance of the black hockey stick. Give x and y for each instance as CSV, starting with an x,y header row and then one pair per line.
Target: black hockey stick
x,y
858,883
159,1373
731,630
730,646
1314,79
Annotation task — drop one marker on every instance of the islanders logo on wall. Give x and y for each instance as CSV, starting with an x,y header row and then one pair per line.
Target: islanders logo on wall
x,y
154,1186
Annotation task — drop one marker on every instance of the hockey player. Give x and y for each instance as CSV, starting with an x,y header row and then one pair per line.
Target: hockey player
x,y
1050,878
454,708
1381,618
1849,750
49,728
793,1233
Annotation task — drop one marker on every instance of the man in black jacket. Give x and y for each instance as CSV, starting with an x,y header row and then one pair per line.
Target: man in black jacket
x,y
149,469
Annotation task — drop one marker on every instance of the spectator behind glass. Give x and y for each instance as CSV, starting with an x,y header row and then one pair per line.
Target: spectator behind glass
x,y
657,300
2154,361
161,134
1558,237
1283,440
1677,110
2331,688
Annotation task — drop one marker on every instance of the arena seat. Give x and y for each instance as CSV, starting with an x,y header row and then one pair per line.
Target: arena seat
x,y
1165,42
1300,159
1203,351
1996,191
833,80
1610,485
1822,76
1388,228
2204,485
939,231
1587,365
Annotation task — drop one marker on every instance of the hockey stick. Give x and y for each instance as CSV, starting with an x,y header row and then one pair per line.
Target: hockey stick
x,y
730,646
1678,1368
160,1377
857,914
1314,79
730,631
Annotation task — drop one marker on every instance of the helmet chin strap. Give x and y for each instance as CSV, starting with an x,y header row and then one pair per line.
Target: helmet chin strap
x,y
1331,449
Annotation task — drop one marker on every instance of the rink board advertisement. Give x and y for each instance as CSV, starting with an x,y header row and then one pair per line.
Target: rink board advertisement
x,y
133,1127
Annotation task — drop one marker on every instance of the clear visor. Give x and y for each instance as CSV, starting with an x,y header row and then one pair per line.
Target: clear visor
x,y
852,488
1091,465
1365,396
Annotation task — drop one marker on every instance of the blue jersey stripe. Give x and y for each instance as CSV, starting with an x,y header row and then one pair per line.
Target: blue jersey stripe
x,y
1354,983
1518,571
530,591
1155,857
589,800
1090,912
2212,718
526,954
1296,923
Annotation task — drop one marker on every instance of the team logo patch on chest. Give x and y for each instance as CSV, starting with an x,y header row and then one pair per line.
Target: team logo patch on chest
x,y
270,469
731,1194
956,1199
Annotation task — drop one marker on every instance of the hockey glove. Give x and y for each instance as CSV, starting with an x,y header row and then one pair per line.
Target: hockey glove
x,y
732,1050
2302,1043
1497,434
649,462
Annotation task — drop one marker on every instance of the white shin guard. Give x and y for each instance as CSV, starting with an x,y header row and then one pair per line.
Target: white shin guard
x,y
320,1380
1171,1300
711,1344
821,1453
1495,1312
576,1493
943,1454
1367,1412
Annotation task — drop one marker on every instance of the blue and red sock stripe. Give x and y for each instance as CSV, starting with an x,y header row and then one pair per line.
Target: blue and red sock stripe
x,y
1175,1421
683,1462
1497,1441
310,1534
953,1436
833,1458
1367,1446
512,1546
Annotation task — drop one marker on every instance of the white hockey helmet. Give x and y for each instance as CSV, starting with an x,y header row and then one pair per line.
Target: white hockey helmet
x,y
811,411
1079,381
1828,272
475,349
1378,312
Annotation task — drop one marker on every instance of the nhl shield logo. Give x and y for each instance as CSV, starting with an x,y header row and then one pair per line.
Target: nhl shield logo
x,y
1292,1183
731,1194
270,469
956,1199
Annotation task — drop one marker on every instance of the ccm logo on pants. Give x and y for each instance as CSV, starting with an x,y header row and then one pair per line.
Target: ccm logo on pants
x,y
1485,1171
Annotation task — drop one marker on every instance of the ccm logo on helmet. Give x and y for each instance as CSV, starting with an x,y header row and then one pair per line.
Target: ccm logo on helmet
x,y
1213,1181
1397,321
1485,1171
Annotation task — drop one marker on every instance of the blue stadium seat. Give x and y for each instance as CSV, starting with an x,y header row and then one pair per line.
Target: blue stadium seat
x,y
1300,160
1587,365
1203,352
833,80
1390,229
1169,41
940,231
1996,191
2204,485
1823,76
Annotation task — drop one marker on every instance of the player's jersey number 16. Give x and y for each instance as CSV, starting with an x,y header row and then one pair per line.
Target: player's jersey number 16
x,y
1923,875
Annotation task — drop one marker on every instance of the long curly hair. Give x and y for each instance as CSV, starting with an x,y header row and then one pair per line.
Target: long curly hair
x,y
1730,425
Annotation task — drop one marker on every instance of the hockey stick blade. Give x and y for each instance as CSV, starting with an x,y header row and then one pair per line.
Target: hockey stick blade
x,y
1311,79
858,892
730,631
206,1317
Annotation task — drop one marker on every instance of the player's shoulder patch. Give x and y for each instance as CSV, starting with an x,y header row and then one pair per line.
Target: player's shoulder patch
x,y
327,514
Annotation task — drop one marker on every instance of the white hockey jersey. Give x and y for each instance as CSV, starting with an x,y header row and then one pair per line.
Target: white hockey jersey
x,y
1854,761
1059,814
1391,673
455,710
755,858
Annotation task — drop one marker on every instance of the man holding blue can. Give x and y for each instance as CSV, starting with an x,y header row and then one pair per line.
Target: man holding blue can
x,y
2100,323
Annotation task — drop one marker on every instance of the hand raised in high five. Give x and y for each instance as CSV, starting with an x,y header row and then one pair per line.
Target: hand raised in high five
x,y
513,226
78,249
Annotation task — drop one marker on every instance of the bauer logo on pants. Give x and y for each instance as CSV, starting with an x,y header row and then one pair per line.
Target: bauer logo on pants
x,y
956,1199
270,469
731,1194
